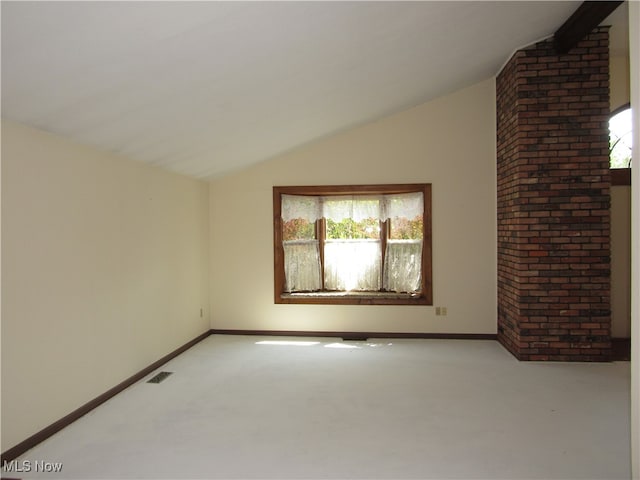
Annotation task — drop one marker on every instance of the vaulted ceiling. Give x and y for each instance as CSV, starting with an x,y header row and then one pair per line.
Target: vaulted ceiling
x,y
205,88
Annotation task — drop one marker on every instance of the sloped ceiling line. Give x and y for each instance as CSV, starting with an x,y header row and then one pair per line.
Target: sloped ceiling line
x,y
206,88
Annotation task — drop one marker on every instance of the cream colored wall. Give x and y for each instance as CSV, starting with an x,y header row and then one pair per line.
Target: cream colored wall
x,y
618,81
104,268
449,142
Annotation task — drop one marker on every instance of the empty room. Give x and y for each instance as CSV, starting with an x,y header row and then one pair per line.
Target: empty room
x,y
320,240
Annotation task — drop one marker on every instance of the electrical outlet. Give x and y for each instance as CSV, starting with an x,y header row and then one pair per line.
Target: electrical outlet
x,y
438,311
443,311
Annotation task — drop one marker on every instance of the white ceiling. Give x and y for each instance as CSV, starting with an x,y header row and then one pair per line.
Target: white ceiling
x,y
205,88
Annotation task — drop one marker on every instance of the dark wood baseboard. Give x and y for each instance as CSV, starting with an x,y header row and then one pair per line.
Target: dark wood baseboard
x,y
358,335
55,427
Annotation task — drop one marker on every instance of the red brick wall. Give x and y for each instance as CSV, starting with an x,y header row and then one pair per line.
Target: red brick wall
x,y
553,202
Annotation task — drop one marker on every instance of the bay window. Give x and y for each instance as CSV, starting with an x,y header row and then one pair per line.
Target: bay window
x,y
353,244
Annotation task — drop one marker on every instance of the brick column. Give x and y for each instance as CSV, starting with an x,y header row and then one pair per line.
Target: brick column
x,y
553,202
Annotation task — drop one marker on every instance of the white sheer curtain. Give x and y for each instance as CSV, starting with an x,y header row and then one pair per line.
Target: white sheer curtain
x,y
356,207
353,264
302,266
403,258
403,266
403,205
301,256
300,206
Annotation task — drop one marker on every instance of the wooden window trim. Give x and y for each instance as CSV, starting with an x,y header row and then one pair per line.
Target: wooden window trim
x,y
425,297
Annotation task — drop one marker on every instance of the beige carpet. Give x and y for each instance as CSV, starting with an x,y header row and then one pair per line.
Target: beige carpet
x,y
263,407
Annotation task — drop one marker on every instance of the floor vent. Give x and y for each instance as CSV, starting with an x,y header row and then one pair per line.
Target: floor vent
x,y
159,377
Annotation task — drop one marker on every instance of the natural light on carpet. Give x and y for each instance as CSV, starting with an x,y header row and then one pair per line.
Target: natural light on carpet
x,y
340,345
287,342
301,343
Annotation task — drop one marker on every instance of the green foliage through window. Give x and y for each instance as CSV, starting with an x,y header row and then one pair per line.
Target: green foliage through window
x,y
620,139
298,229
406,229
348,228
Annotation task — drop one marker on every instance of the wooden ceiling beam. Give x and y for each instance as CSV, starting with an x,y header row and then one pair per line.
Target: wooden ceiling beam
x,y
587,17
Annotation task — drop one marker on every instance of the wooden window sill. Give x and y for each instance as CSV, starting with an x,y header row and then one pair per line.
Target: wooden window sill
x,y
353,298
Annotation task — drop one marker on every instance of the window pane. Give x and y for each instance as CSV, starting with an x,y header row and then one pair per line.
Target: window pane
x,y
302,266
352,217
298,229
404,205
402,266
299,215
402,228
348,228
300,206
405,214
357,208
620,139
352,265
